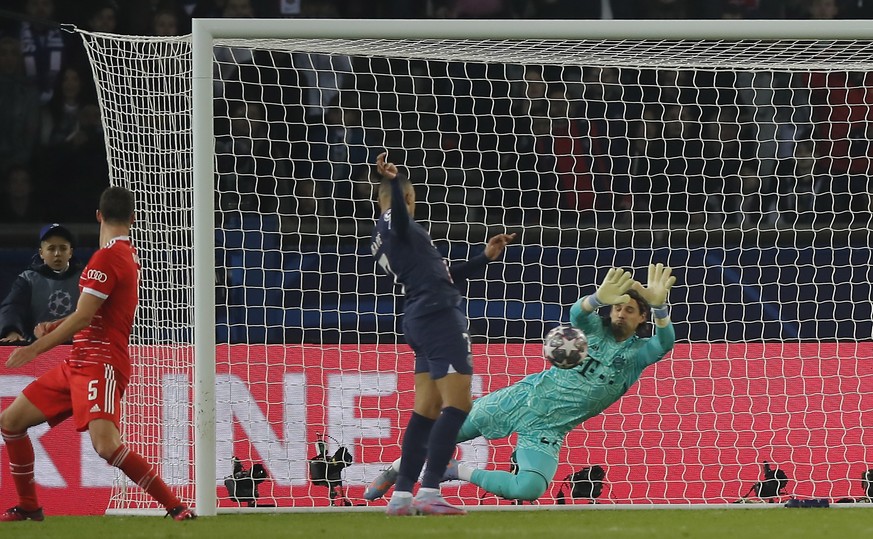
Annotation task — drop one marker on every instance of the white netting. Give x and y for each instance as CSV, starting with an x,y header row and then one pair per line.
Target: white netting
x,y
742,164
679,54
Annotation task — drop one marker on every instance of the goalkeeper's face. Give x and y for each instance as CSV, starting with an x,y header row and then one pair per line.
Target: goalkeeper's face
x,y
625,319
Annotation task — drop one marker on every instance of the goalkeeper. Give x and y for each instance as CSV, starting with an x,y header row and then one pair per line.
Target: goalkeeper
x,y
543,407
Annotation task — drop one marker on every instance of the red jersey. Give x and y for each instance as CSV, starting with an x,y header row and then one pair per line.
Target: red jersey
x,y
113,275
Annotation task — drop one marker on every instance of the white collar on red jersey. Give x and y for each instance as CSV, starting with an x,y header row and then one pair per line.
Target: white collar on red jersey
x,y
117,238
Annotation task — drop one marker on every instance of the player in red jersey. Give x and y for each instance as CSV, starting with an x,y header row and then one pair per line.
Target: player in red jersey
x,y
89,384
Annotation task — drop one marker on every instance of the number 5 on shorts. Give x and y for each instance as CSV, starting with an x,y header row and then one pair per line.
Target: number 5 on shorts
x,y
92,390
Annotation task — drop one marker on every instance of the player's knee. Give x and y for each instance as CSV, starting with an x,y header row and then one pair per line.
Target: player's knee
x,y
105,438
105,448
11,424
430,410
104,452
529,486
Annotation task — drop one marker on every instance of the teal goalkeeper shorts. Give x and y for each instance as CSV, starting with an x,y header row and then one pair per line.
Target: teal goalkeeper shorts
x,y
499,414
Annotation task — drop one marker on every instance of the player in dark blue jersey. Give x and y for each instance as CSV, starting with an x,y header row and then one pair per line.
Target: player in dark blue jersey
x,y
436,330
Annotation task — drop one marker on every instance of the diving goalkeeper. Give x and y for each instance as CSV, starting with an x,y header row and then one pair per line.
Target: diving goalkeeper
x,y
543,407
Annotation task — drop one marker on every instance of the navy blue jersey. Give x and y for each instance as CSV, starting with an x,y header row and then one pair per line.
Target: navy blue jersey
x,y
404,249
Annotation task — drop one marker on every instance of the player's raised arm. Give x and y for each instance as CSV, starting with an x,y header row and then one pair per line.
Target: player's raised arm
x,y
463,270
496,245
385,168
396,193
656,292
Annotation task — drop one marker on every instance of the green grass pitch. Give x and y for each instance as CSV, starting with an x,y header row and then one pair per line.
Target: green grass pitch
x,y
842,523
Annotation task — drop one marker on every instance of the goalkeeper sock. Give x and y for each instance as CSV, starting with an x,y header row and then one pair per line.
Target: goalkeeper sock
x,y
20,451
143,474
414,451
441,445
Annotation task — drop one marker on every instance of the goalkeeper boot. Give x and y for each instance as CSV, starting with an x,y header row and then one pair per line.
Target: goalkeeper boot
x,y
451,473
381,484
401,506
16,513
432,503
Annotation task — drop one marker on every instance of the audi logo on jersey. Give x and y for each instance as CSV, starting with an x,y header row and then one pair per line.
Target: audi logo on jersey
x,y
95,275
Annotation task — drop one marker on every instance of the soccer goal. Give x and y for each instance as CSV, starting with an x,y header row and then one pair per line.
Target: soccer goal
x,y
737,152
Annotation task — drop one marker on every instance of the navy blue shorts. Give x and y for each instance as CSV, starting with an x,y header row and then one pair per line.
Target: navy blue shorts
x,y
440,341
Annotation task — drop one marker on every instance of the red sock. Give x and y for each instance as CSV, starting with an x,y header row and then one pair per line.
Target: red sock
x,y
20,452
143,474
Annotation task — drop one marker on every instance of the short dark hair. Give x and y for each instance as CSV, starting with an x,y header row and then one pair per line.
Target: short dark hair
x,y
385,185
116,204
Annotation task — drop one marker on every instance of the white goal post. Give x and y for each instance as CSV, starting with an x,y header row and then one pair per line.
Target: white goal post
x,y
756,339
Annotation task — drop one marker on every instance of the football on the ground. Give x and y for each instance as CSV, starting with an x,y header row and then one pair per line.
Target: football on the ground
x,y
565,347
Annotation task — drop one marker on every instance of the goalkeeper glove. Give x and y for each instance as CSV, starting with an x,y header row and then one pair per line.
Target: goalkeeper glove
x,y
659,285
613,290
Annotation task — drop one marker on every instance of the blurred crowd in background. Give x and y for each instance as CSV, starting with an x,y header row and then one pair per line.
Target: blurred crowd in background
x,y
53,163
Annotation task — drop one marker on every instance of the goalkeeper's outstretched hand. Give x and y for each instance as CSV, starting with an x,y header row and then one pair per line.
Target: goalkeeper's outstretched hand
x,y
614,288
659,285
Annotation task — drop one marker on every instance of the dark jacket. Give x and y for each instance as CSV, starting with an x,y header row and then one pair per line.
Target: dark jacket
x,y
39,294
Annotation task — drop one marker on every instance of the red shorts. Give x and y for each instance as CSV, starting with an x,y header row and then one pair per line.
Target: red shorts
x,y
84,391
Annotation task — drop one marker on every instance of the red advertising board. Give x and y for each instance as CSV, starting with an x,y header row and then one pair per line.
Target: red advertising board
x,y
696,428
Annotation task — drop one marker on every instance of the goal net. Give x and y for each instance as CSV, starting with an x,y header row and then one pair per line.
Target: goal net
x,y
739,158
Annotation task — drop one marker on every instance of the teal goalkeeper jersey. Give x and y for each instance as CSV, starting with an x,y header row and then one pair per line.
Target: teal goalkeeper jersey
x,y
564,398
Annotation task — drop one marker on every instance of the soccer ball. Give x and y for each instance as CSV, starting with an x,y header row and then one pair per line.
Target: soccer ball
x,y
565,347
